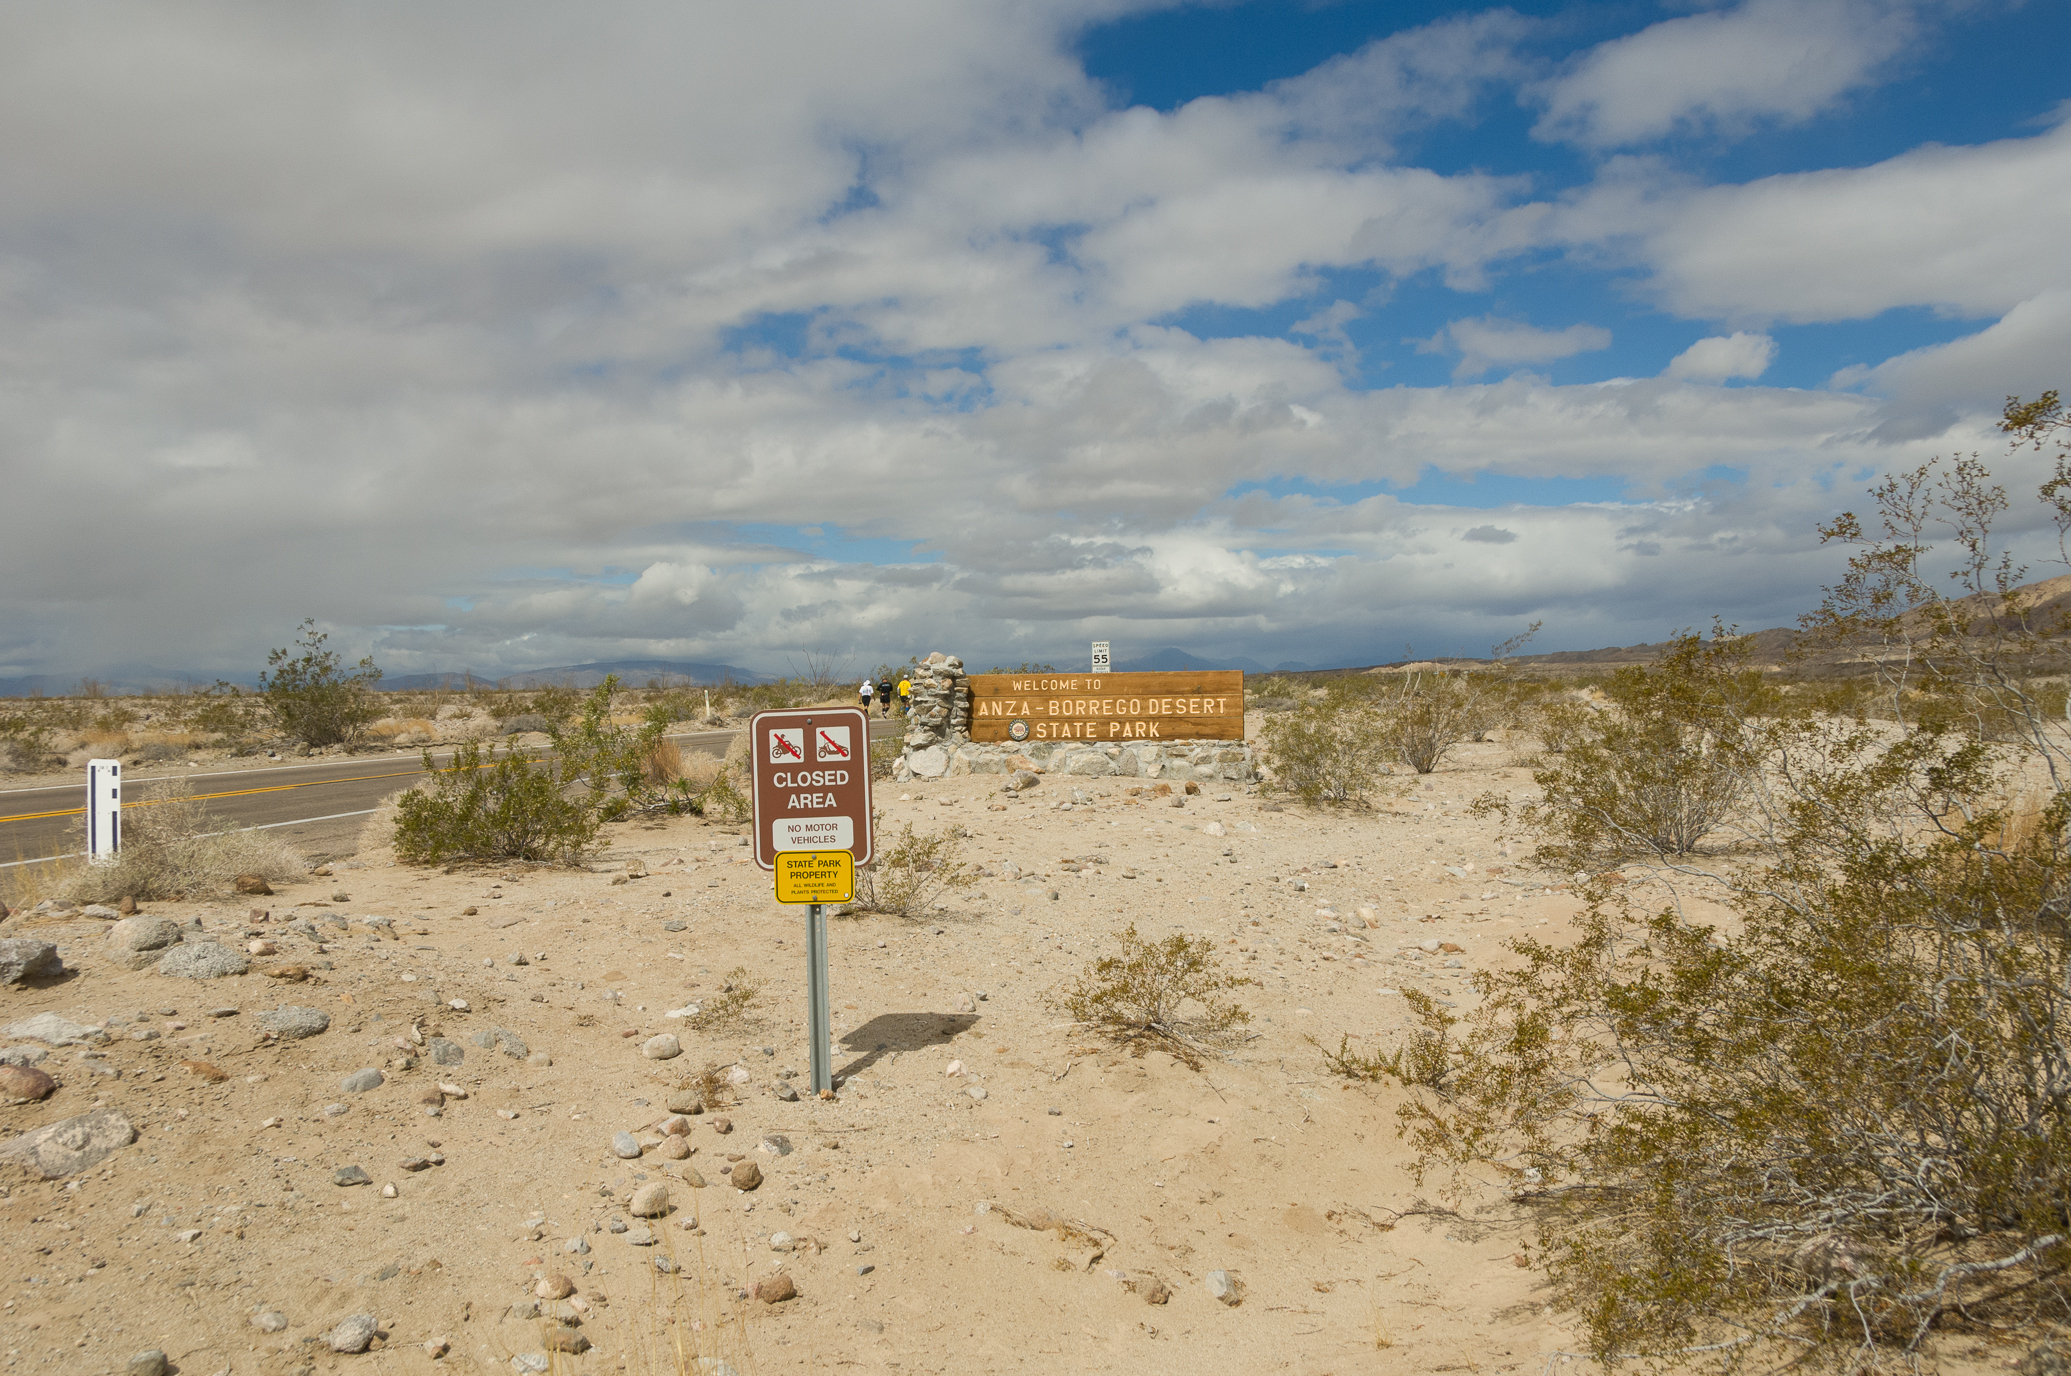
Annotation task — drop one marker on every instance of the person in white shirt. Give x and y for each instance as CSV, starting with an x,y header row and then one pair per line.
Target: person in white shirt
x,y
864,692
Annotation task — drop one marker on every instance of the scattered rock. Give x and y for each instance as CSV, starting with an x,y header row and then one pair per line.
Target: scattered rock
x,y
692,1178
746,1176
562,1338
445,1052
2050,1357
664,1047
293,974
350,1175
685,1101
260,947
294,1022
776,1289
205,1072
554,1287
23,1055
71,1145
527,1363
722,1126
540,1059
139,941
21,1084
673,1149
786,1091
650,1200
362,1080
202,960
624,1144
100,912
150,1362
57,1031
640,1237
1153,1290
510,1043
976,1092
126,905
26,958
256,885
354,1333
774,1145
270,1321
1224,1287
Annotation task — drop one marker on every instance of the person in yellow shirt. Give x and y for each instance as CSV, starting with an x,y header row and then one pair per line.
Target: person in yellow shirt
x,y
905,696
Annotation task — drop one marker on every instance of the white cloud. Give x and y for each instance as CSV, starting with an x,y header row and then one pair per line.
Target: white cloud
x,y
1780,61
1973,231
1486,342
2023,353
1724,357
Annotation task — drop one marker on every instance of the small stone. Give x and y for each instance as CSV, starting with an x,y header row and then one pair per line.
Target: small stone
x,y
22,1084
389,1192
562,1338
576,1246
350,1175
649,1201
1222,1286
260,947
685,1101
776,1144
55,1031
722,1126
624,1144
692,1178
1153,1290
776,1289
24,958
256,885
617,1225
529,1363
293,1023
151,1362
554,1287
362,1080
510,1043
436,1348
855,1235
525,1310
540,1059
664,1047
270,1321
746,1176
966,1003
976,1091
444,1051
673,1149
640,1237
222,1012
784,1090
353,1333
780,1242
126,905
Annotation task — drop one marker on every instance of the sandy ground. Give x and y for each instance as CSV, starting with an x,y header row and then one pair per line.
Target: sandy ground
x,y
901,1193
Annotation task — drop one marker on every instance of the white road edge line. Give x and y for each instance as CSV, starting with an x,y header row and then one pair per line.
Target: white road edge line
x,y
268,826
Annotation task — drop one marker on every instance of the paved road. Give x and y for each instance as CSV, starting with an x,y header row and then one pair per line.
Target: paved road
x,y
317,807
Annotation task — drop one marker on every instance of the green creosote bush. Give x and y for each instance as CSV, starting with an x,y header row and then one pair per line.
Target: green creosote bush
x,y
1431,714
1424,1058
172,845
313,697
1836,1124
1662,770
486,806
1172,993
915,872
1329,750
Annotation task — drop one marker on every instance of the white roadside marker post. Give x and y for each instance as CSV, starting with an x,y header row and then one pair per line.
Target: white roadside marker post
x,y
103,811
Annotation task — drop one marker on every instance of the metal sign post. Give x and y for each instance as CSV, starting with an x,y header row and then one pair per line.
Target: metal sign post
x,y
103,811
811,800
1100,657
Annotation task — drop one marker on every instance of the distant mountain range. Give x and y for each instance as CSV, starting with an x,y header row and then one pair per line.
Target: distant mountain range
x,y
1172,660
636,673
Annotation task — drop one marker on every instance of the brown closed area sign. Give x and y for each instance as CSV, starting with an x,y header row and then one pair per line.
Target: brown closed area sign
x,y
812,782
1204,705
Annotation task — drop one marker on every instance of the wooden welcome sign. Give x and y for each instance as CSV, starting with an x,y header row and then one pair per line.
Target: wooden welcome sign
x,y
1193,705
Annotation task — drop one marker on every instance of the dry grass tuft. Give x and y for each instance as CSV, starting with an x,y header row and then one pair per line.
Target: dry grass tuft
x,y
173,846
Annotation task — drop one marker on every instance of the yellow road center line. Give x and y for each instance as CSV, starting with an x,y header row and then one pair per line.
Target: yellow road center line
x,y
231,793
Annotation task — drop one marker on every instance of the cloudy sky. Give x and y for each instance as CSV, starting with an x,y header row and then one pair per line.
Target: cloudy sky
x,y
500,335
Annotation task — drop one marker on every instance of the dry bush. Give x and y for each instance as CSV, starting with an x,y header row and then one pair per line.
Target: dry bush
x,y
663,763
104,743
1172,992
1424,1058
909,878
1432,714
489,807
1327,750
732,1007
173,846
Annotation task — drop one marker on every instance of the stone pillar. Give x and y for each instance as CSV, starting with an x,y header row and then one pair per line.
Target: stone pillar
x,y
941,707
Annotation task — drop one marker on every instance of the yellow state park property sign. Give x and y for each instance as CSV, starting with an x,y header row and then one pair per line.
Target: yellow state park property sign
x,y
816,876
1194,705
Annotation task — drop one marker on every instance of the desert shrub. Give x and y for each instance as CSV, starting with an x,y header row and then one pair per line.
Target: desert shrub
x,y
1561,724
1425,1056
913,874
221,710
1329,750
1838,1122
1431,714
554,705
313,697
522,722
159,752
490,807
732,1007
172,845
1172,992
26,744
1661,771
